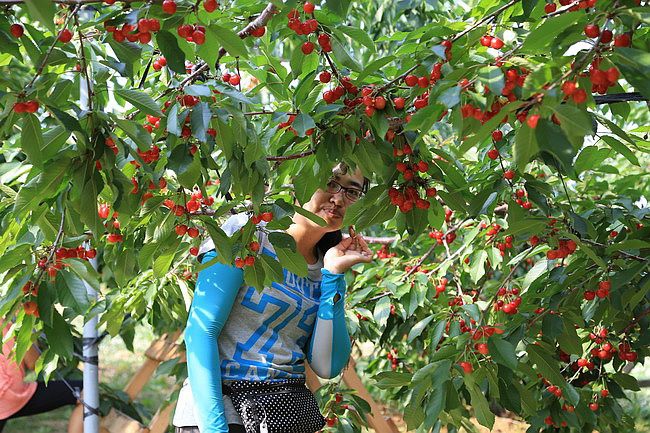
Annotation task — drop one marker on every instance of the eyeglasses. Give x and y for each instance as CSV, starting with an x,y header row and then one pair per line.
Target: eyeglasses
x,y
352,194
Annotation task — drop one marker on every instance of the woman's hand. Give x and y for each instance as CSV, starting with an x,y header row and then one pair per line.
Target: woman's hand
x,y
346,254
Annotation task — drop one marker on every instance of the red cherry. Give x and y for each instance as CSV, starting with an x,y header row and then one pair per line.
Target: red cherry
x,y
235,80
181,229
606,36
380,103
169,7
592,30
307,48
198,37
579,96
250,260
259,32
509,174
486,40
210,5
103,210
493,154
267,216
622,40
532,120
31,106
254,246
65,36
466,366
325,77
17,30
399,103
194,251
496,43
550,8
192,232
593,406
411,80
482,348
308,8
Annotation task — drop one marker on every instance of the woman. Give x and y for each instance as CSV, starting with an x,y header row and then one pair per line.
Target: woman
x,y
267,336
19,398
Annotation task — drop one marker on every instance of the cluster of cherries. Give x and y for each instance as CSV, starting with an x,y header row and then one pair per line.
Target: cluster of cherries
x,y
406,197
393,357
565,248
510,302
491,41
383,253
440,236
249,260
602,292
104,211
183,229
138,33
31,307
606,36
233,79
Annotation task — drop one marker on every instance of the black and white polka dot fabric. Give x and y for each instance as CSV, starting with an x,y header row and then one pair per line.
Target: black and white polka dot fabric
x,y
280,406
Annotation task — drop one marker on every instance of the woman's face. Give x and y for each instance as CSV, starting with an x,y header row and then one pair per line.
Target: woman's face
x,y
332,207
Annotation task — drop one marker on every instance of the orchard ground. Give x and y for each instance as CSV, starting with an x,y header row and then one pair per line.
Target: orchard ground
x,y
118,365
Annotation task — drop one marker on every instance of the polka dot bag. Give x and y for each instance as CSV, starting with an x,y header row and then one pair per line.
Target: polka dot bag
x,y
285,406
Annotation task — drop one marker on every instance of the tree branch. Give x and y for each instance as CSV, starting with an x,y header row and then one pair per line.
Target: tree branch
x,y
484,20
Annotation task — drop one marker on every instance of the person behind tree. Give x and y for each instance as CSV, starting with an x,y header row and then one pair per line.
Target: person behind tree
x,y
235,333
19,398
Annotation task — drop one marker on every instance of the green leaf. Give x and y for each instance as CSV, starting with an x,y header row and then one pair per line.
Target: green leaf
x,y
503,352
479,403
140,100
339,7
551,139
342,55
525,146
315,218
230,41
375,66
540,39
626,381
540,268
634,64
136,132
477,267
621,149
545,364
60,333
43,11
302,123
41,187
293,261
31,140
569,340
72,292
382,311
493,78
417,329
254,275
24,337
171,51
200,120
392,379
573,120
358,35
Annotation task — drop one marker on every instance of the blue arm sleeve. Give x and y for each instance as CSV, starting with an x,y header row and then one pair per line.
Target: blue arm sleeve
x,y
216,289
329,347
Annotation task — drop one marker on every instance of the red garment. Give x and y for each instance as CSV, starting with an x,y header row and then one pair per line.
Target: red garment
x,y
14,392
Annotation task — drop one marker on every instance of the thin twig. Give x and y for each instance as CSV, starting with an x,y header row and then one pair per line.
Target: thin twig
x,y
49,51
484,20
635,320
